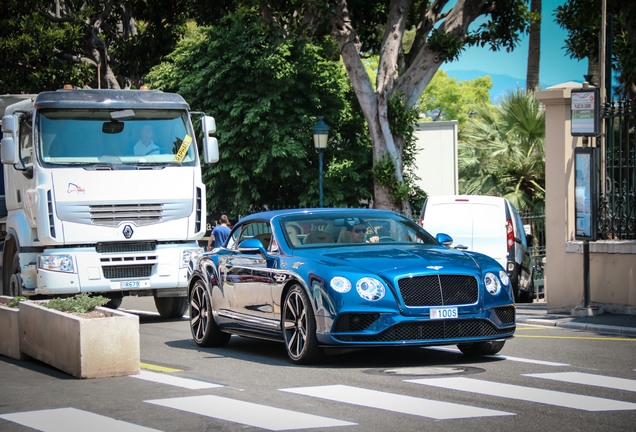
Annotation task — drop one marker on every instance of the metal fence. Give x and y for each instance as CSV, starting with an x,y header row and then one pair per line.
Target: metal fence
x,y
617,188
534,224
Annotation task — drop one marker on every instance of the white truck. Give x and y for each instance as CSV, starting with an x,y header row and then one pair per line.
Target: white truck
x,y
103,194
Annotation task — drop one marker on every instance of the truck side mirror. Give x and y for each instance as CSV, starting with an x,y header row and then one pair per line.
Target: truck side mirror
x,y
210,143
9,150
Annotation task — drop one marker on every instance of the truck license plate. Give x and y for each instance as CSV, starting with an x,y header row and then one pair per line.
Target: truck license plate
x,y
135,284
444,313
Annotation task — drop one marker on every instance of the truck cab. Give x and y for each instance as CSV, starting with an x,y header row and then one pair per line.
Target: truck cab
x,y
103,194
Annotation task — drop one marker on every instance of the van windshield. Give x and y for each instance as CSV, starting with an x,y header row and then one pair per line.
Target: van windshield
x,y
115,137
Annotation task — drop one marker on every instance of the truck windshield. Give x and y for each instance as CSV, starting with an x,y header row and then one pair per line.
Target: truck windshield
x,y
85,137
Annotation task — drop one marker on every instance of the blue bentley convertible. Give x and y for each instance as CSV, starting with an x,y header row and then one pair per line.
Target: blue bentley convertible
x,y
347,277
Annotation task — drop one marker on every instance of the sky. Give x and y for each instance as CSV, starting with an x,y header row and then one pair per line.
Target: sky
x,y
509,69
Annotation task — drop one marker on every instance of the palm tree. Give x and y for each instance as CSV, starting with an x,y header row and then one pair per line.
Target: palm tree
x,y
534,48
502,151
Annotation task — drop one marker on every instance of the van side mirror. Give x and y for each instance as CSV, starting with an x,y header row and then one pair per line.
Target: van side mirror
x,y
210,143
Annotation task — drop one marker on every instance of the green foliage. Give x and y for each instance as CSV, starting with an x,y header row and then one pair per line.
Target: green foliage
x,y
446,99
41,52
15,301
582,20
447,44
503,151
80,303
265,91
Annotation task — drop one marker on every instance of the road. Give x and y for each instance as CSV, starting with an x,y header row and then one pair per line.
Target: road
x,y
546,378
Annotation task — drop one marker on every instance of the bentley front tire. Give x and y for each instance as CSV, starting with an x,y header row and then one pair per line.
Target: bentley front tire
x,y
481,348
204,330
299,327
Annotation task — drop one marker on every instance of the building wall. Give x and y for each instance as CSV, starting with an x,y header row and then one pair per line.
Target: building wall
x,y
612,263
436,157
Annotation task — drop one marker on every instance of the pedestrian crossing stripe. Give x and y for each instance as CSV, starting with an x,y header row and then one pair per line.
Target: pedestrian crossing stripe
x,y
529,394
395,402
503,357
589,379
173,380
71,420
248,413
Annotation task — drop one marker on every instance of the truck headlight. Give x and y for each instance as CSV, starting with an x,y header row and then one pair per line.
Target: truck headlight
x,y
190,255
60,263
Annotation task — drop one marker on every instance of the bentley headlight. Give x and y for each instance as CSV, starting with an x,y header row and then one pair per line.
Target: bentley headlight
x,y
503,276
340,284
493,286
370,289
60,263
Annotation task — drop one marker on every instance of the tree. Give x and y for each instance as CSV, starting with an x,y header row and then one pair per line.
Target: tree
x,y
503,151
95,43
534,48
446,99
363,27
265,91
582,20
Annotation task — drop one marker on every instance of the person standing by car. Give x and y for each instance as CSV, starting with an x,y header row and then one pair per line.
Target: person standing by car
x,y
220,233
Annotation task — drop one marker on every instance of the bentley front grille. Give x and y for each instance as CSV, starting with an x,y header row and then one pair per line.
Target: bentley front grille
x,y
439,290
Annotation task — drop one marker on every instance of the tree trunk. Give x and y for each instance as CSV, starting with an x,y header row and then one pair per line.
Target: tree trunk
x,y
534,49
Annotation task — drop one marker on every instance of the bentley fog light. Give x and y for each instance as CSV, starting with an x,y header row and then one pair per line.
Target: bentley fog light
x,y
340,284
503,276
189,255
370,289
60,263
492,283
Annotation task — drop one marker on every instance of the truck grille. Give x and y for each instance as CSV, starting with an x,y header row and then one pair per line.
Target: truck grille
x,y
112,215
439,290
127,271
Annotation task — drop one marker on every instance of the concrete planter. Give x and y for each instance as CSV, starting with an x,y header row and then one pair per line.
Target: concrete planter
x,y
9,330
82,347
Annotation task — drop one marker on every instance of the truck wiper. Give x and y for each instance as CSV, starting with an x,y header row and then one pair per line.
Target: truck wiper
x,y
99,167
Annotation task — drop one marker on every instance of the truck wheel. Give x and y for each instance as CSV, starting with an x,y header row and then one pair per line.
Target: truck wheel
x,y
171,307
12,283
114,302
15,285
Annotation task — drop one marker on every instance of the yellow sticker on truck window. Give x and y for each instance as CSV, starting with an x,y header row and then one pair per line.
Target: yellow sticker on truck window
x,y
183,150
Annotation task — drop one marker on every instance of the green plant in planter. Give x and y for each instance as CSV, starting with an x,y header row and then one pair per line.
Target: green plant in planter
x,y
15,301
80,303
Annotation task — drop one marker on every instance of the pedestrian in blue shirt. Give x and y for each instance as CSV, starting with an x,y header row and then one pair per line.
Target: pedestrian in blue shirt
x,y
220,233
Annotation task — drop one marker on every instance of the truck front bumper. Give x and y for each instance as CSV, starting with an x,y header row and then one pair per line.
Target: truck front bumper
x,y
165,267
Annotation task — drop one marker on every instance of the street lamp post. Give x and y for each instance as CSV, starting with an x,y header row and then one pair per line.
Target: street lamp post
x,y
320,131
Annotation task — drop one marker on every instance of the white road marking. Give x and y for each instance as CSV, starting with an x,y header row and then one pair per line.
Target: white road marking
x,y
395,402
247,413
176,381
72,420
502,357
530,394
589,379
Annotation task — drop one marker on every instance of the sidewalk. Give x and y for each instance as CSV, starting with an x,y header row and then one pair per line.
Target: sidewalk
x,y
606,323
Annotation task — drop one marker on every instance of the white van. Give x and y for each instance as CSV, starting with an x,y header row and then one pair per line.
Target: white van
x,y
485,224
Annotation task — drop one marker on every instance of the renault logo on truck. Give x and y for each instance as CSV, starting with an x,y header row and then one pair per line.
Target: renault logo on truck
x,y
128,231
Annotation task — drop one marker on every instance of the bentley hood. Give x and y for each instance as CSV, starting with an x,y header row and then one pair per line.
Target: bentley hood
x,y
420,259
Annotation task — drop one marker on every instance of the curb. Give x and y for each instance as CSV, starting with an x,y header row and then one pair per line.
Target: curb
x,y
597,328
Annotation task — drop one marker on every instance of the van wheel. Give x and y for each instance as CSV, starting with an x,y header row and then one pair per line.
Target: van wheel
x,y
171,307
527,296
